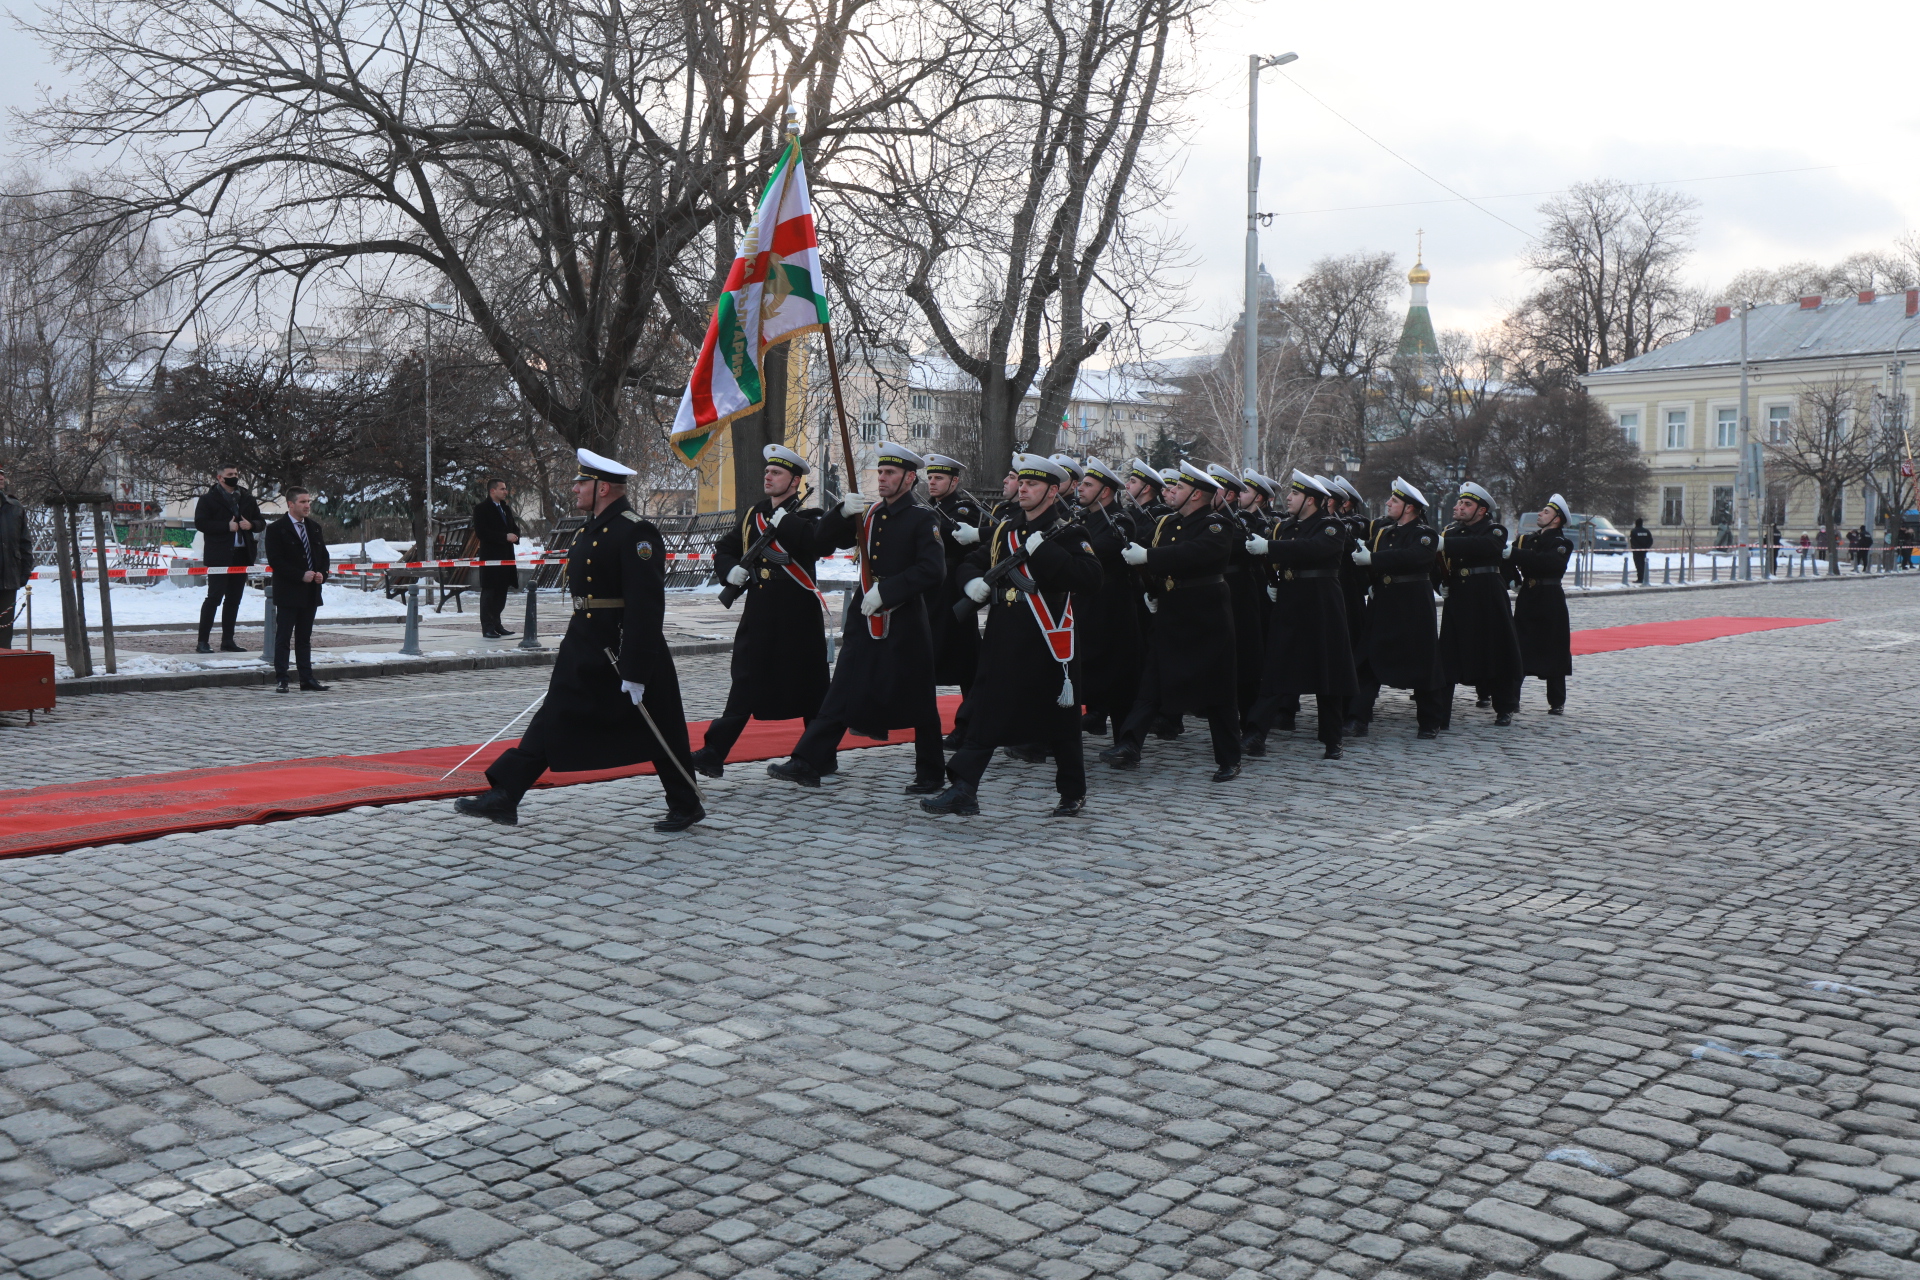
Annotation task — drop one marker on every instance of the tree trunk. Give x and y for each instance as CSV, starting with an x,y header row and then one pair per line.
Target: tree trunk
x,y
754,432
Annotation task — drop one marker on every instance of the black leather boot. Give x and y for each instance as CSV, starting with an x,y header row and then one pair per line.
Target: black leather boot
x,y
794,771
499,806
956,799
707,763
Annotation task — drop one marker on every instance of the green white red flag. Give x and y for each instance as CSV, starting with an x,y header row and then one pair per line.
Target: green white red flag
x,y
774,292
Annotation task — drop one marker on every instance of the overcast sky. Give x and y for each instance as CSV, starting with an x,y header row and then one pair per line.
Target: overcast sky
x,y
1505,100
1502,98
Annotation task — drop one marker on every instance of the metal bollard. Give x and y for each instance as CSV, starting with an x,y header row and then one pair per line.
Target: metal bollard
x,y
1625,560
269,633
1713,570
1666,571
530,629
411,645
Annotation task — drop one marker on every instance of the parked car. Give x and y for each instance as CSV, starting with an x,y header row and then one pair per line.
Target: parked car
x,y
1606,535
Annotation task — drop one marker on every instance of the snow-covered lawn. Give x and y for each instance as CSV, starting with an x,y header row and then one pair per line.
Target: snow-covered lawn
x,y
168,600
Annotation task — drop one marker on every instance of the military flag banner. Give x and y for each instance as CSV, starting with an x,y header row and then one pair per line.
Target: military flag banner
x,y
774,292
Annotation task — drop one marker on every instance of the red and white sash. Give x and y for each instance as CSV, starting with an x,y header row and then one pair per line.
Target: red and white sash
x,y
793,570
1057,629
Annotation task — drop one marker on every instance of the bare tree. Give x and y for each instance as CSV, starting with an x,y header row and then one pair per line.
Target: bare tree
x,y
1016,222
1340,337
1611,255
1878,270
1829,443
569,173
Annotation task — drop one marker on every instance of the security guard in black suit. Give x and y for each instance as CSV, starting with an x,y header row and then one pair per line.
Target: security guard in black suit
x,y
614,698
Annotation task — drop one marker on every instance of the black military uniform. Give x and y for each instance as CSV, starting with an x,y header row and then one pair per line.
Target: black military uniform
x,y
1539,562
1308,648
492,523
616,570
883,678
1351,512
1107,625
1246,594
779,663
1403,645
1029,662
1190,664
956,641
1477,642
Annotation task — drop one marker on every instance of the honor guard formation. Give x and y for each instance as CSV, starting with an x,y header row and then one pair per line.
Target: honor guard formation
x,y
1114,604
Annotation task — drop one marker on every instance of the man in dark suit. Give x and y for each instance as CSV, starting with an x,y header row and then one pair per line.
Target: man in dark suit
x,y
297,554
229,522
497,529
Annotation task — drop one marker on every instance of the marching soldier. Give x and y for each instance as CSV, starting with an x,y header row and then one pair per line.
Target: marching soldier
x,y
1402,646
1035,569
956,641
1540,606
614,698
883,679
1107,621
1246,589
1351,509
779,663
1477,642
1308,649
1145,485
1190,652
1009,485
1070,492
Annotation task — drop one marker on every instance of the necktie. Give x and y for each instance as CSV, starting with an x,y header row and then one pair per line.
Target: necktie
x,y
300,527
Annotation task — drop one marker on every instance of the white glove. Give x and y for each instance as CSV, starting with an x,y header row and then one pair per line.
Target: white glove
x,y
1363,556
634,691
854,504
1506,552
1273,593
1134,553
978,590
966,535
870,602
1256,546
1033,542
1153,606
738,576
779,514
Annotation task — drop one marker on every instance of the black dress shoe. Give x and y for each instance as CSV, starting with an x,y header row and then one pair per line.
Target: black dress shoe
x,y
282,687
707,763
925,786
1122,755
1483,702
203,647
955,740
1070,808
1504,719
794,771
678,821
1168,727
1427,735
956,799
228,646
1359,729
1026,753
1556,711
1227,774
505,635
496,805
1255,743
313,686
1333,752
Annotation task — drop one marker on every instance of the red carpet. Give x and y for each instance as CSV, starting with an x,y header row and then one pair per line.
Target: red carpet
x,y
1691,631
109,810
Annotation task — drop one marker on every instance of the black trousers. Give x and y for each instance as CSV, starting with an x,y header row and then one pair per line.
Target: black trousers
x,y
1640,565
518,768
9,602
293,625
969,763
223,594
725,729
1506,697
1428,709
1329,710
820,742
1556,690
494,585
1223,720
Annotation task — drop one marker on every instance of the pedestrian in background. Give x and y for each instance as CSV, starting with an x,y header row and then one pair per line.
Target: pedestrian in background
x,y
1639,539
229,522
297,554
16,558
497,529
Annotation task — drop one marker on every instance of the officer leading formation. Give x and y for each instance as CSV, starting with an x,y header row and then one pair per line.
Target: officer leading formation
x,y
1115,601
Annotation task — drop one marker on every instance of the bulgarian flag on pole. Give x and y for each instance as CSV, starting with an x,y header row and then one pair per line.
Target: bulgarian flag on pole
x,y
774,291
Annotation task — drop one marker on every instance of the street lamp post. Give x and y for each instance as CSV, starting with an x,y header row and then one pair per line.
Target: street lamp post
x,y
427,405
1250,323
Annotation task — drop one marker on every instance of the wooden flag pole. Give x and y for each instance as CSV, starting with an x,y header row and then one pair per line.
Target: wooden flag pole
x,y
840,411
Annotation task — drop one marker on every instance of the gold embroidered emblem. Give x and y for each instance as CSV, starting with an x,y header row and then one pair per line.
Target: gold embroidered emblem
x,y
646,550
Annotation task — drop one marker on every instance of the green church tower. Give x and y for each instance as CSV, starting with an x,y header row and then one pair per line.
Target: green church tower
x,y
1417,341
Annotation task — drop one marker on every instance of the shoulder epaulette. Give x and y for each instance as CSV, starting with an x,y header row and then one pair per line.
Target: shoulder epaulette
x,y
632,515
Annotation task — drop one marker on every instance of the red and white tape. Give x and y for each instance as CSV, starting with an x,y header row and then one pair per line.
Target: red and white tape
x,y
378,566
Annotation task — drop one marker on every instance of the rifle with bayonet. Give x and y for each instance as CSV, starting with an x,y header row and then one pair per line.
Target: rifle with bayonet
x,y
761,552
1011,571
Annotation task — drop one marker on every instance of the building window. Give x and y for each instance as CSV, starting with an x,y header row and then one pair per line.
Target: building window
x,y
871,422
1723,504
1676,429
922,401
1779,422
1726,429
1630,427
1673,504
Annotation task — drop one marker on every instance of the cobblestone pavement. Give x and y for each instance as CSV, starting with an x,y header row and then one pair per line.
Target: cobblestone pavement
x,y
1632,991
